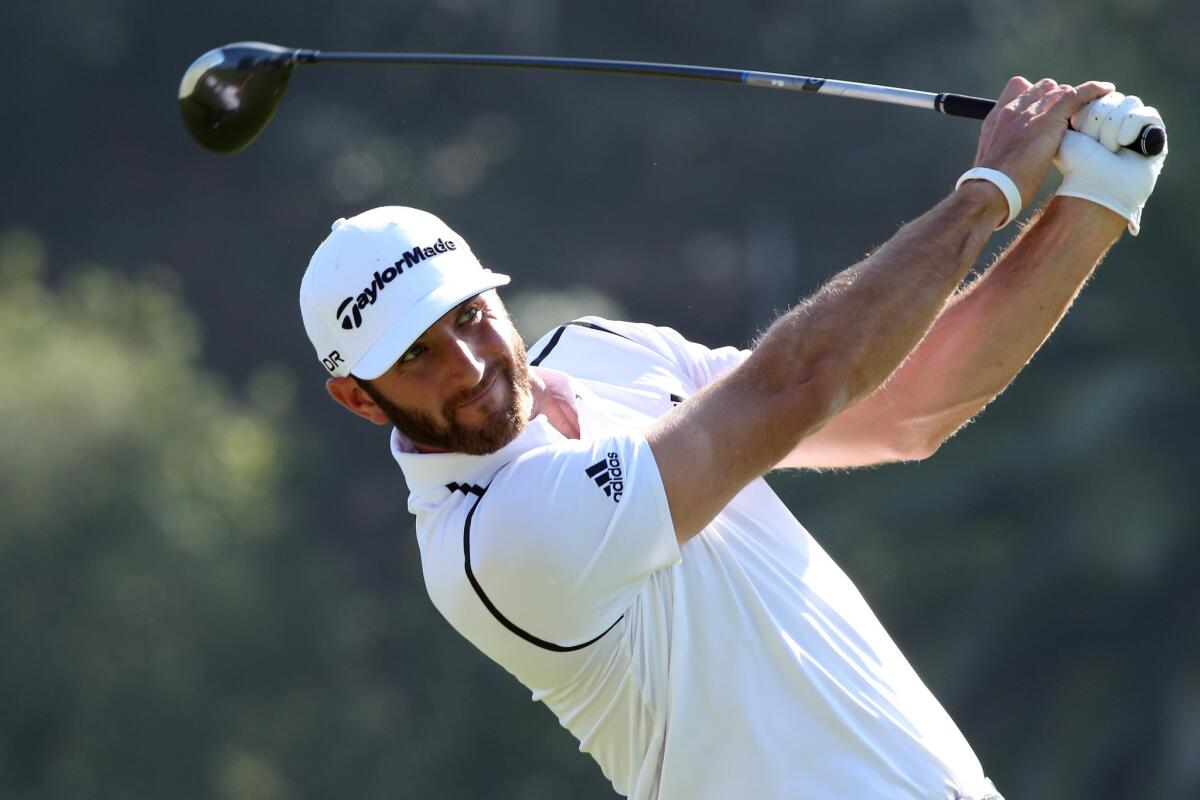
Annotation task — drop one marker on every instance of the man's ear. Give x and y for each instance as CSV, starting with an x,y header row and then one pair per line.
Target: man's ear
x,y
350,395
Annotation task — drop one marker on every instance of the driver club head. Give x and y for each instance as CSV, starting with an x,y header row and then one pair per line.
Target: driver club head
x,y
228,95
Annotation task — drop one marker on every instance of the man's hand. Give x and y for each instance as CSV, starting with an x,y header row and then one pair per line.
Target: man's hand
x,y
1024,130
1095,165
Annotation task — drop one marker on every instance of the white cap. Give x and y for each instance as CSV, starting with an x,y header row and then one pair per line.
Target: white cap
x,y
378,281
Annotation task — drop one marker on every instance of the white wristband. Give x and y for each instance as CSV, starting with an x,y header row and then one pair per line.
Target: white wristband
x,y
1000,181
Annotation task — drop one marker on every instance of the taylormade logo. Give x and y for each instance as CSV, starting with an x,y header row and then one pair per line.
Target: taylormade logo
x,y
350,312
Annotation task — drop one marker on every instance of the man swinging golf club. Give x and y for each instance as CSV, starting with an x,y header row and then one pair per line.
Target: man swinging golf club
x,y
593,517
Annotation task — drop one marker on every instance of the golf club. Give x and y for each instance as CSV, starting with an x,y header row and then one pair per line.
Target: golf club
x,y
229,94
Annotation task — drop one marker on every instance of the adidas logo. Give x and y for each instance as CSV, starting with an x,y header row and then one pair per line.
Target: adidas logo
x,y
609,476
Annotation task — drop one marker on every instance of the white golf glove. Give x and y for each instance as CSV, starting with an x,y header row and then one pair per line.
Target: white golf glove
x,y
1096,167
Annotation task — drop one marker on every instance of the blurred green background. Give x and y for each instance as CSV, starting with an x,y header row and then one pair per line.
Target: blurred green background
x,y
209,586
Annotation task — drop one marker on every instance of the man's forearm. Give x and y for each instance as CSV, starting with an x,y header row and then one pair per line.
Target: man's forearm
x,y
858,327
822,356
838,346
992,328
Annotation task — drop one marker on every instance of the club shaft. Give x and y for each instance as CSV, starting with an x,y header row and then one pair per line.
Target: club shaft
x,y
854,91
768,80
1151,141
532,62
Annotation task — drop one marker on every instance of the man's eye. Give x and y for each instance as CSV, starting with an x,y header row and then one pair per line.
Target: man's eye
x,y
411,353
471,313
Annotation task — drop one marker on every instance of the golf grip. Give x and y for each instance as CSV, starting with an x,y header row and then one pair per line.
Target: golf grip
x,y
1150,142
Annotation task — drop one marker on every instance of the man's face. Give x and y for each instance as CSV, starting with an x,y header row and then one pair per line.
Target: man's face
x,y
463,386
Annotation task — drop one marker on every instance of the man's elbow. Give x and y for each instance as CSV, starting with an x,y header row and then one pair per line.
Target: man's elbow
x,y
921,437
924,450
921,444
915,444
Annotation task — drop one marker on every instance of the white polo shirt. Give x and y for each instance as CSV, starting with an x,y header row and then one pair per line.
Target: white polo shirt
x,y
743,665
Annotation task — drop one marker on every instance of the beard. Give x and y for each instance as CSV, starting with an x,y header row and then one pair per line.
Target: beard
x,y
501,426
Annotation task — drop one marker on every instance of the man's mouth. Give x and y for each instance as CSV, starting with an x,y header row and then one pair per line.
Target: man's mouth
x,y
482,393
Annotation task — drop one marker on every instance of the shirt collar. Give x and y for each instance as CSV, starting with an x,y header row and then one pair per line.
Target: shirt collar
x,y
429,474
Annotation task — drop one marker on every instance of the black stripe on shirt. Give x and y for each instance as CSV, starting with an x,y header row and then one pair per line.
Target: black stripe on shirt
x,y
503,620
549,346
558,335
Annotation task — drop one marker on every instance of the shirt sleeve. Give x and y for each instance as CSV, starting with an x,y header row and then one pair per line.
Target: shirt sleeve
x,y
565,537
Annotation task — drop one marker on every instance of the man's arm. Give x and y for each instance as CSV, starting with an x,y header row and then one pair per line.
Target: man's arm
x,y
839,346
986,334
991,329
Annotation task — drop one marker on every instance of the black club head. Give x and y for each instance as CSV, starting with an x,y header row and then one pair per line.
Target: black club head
x,y
228,95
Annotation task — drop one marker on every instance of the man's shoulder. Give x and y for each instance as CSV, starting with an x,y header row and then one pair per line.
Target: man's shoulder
x,y
550,541
631,331
597,347
599,332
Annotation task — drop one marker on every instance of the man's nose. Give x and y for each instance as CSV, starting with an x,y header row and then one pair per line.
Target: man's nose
x,y
465,368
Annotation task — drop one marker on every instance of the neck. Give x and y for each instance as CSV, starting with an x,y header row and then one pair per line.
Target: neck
x,y
552,400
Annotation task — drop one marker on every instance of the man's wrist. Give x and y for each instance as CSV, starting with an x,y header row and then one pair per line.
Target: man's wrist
x,y
1084,216
984,201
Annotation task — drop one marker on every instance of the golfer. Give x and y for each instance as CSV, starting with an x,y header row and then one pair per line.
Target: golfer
x,y
592,514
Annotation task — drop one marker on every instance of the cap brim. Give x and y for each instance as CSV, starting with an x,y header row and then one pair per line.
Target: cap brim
x,y
400,335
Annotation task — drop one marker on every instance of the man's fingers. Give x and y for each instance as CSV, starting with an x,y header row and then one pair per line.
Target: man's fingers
x,y
1104,115
1043,86
1131,128
1034,94
1014,88
1109,117
1099,112
1074,102
1093,90
1111,127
